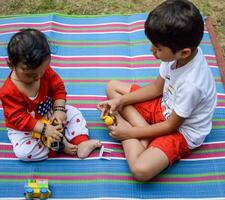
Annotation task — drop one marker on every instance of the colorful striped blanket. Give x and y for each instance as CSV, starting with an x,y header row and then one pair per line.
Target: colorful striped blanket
x,y
87,52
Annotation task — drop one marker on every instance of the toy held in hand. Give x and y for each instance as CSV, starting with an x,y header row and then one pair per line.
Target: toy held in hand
x,y
55,146
109,120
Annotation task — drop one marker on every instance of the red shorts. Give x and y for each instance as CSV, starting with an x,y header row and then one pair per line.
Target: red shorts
x,y
173,145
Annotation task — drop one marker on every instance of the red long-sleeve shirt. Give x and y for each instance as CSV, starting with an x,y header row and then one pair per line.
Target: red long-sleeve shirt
x,y
20,112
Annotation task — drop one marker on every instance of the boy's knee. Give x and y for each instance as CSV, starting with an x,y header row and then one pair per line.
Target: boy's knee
x,y
111,88
72,112
111,85
32,155
141,172
72,109
24,156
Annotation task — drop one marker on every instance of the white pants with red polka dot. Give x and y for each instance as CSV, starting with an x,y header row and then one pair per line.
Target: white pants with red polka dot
x,y
27,148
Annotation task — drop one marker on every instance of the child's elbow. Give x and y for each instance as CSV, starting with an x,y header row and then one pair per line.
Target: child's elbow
x,y
172,126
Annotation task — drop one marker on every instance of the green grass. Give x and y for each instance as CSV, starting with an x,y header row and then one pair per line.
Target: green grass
x,y
87,7
213,8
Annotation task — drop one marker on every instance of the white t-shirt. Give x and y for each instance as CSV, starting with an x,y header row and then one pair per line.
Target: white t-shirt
x,y
191,92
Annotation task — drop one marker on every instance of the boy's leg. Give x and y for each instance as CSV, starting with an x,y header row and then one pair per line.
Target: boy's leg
x,y
161,152
116,89
143,162
27,148
77,135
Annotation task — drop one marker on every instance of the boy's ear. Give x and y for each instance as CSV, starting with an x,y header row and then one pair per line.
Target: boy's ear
x,y
186,52
10,66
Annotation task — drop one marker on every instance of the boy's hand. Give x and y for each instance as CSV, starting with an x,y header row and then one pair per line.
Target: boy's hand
x,y
109,107
53,132
121,131
104,108
60,117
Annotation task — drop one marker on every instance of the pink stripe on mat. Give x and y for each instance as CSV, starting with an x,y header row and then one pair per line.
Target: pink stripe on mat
x,y
191,179
118,153
71,178
100,25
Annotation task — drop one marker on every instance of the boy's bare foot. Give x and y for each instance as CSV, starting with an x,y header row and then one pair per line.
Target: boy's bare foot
x,y
69,148
86,147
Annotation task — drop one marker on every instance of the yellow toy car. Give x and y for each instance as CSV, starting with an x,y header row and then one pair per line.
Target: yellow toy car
x,y
37,188
55,146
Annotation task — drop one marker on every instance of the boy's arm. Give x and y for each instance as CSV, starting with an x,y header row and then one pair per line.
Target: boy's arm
x,y
123,132
145,93
167,127
59,102
16,115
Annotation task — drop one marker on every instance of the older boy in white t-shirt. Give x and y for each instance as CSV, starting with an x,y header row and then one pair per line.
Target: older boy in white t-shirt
x,y
159,123
190,92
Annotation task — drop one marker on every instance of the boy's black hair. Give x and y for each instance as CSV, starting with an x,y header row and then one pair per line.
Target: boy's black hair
x,y
29,47
176,24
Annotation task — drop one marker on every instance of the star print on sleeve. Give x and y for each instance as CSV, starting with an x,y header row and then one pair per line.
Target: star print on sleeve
x,y
45,107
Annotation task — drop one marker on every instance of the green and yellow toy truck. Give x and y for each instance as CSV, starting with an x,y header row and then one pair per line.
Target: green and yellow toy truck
x,y
37,188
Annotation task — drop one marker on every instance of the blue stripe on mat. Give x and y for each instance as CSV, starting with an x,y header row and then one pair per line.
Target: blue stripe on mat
x,y
197,178
101,187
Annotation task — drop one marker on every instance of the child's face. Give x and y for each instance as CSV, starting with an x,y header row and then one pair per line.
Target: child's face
x,y
29,76
164,53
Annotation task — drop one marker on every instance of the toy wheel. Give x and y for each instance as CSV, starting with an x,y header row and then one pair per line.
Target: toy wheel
x,y
29,190
28,193
43,191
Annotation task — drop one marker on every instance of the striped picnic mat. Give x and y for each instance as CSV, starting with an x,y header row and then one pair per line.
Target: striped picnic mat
x,y
88,51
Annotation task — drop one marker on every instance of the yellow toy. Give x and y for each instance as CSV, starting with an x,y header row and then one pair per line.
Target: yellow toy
x,y
55,146
37,188
109,120
38,135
